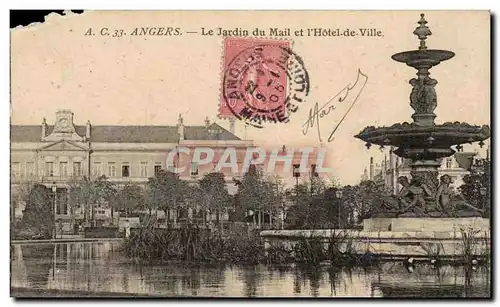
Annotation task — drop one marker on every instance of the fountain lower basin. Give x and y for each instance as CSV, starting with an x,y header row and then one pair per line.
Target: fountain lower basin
x,y
400,238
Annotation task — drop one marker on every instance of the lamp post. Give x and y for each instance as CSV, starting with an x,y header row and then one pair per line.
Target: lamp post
x,y
313,174
483,191
338,193
296,174
54,191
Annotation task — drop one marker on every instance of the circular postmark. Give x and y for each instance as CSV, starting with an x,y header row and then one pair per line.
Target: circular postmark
x,y
265,83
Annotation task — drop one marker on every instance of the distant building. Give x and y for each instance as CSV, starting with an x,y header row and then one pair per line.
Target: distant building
x,y
365,175
60,154
387,172
56,155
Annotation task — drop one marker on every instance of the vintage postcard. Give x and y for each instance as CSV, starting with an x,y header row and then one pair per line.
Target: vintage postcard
x,y
251,154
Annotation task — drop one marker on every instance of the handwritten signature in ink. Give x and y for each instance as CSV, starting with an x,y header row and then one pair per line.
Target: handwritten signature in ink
x,y
350,92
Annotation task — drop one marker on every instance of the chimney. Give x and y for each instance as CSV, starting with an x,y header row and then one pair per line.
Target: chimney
x,y
372,169
393,165
364,177
207,122
44,128
392,160
87,130
387,166
180,127
231,125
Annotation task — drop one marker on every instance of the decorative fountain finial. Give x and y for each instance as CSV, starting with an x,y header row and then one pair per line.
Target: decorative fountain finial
x,y
422,32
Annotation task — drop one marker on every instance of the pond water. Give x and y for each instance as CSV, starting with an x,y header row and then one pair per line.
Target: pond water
x,y
101,269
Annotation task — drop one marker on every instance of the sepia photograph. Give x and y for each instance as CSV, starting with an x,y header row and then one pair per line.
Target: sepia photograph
x,y
251,154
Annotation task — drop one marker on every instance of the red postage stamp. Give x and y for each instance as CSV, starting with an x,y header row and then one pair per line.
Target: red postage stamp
x,y
264,81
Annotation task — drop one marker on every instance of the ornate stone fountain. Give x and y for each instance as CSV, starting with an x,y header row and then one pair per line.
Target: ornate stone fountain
x,y
425,142
425,219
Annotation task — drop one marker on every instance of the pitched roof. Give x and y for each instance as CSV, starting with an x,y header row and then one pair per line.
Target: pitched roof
x,y
25,133
465,159
129,134
213,132
134,134
406,163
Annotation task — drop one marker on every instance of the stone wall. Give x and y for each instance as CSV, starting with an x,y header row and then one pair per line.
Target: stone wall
x,y
425,224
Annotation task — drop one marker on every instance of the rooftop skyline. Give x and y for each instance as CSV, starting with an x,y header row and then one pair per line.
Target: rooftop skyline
x,y
144,81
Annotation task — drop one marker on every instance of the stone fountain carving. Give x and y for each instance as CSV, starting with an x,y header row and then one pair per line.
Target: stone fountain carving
x,y
425,142
423,96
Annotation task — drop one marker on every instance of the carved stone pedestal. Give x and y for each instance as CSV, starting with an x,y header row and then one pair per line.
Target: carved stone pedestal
x,y
426,195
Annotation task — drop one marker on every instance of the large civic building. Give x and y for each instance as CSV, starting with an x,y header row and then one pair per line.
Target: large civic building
x,y
60,154
55,155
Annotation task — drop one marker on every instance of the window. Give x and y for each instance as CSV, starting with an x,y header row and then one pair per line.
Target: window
x,y
97,169
77,168
448,162
144,169
313,171
171,167
111,169
194,169
63,169
30,169
296,170
16,169
62,202
125,170
157,169
214,132
49,168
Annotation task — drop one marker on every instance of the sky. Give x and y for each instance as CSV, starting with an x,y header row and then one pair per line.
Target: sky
x,y
150,80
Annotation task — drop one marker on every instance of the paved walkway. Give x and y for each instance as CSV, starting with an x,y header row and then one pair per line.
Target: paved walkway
x,y
65,240
18,292
69,236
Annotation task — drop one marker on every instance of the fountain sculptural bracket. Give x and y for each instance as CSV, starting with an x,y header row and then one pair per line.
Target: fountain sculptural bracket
x,y
423,141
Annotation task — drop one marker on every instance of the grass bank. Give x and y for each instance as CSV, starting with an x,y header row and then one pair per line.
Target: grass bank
x,y
193,244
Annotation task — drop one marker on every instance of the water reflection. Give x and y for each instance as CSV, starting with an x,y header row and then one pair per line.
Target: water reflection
x,y
101,268
38,264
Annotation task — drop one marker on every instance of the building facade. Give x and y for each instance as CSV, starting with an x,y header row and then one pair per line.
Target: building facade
x,y
61,154
57,155
388,170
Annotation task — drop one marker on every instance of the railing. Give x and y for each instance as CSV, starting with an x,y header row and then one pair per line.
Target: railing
x,y
127,179
44,179
60,179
